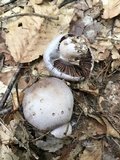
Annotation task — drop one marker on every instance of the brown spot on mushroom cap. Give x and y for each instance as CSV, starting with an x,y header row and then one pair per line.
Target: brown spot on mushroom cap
x,y
62,112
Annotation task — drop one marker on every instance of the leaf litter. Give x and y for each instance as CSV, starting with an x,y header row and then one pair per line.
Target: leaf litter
x,y
96,115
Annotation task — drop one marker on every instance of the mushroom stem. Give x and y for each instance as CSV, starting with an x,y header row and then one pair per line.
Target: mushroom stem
x,y
62,131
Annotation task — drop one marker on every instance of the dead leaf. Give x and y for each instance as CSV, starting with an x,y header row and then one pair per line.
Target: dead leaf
x,y
26,45
115,54
104,55
7,153
99,126
7,132
16,99
115,64
95,2
31,34
101,50
111,8
110,130
2,89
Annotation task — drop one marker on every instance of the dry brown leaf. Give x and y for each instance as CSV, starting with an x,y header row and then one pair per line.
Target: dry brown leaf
x,y
23,42
115,54
23,39
110,130
115,64
96,118
7,154
99,126
15,100
28,36
92,152
101,51
111,8
95,2
7,132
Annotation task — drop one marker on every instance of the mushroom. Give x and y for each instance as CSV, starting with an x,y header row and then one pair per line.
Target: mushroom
x,y
62,131
69,57
48,105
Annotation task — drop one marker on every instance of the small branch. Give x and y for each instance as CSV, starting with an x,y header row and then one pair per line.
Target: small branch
x,y
65,2
28,14
10,86
11,1
5,110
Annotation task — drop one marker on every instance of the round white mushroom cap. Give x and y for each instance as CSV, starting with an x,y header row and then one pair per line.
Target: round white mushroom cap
x,y
62,131
72,47
48,104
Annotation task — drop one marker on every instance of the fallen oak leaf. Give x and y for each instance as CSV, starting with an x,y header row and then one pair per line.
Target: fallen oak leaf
x,y
23,41
23,38
31,35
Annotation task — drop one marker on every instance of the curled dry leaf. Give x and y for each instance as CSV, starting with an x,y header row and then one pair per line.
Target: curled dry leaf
x,y
111,8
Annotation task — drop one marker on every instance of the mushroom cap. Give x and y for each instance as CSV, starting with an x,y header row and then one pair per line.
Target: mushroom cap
x,y
72,47
48,104
62,131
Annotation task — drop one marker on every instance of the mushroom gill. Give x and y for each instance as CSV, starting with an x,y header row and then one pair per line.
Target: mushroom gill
x,y
81,70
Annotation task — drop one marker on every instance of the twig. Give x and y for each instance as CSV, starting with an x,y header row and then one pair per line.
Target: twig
x,y
65,2
17,93
5,110
10,86
40,137
11,1
28,14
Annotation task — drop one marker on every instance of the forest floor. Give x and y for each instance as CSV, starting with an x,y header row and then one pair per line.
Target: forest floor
x,y
27,27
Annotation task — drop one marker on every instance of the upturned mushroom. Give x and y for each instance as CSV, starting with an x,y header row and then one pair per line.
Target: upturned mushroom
x,y
48,105
69,57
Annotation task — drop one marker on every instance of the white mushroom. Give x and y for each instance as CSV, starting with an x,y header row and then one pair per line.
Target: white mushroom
x,y
48,104
69,57
62,131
